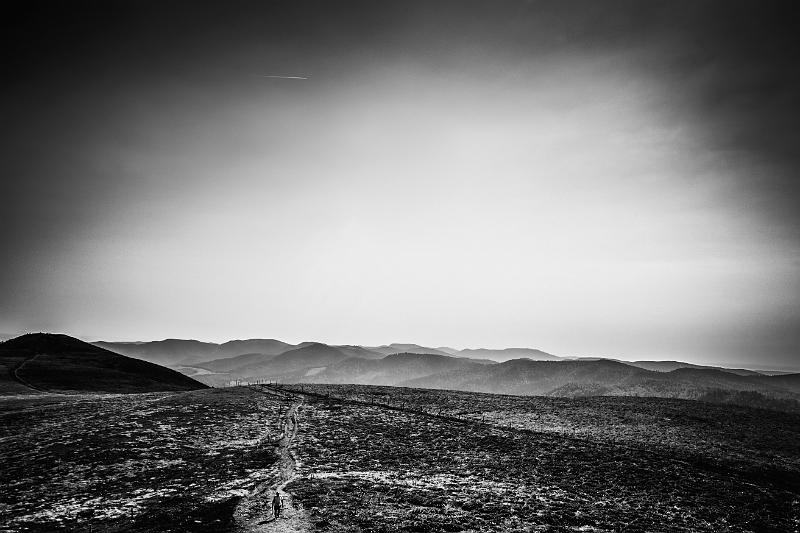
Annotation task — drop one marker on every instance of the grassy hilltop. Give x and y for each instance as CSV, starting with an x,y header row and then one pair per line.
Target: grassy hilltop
x,y
372,458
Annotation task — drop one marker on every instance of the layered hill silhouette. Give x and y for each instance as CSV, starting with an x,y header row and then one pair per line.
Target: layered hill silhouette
x,y
310,357
394,369
167,351
54,362
523,376
669,366
212,356
612,378
319,363
524,371
506,354
396,347
189,351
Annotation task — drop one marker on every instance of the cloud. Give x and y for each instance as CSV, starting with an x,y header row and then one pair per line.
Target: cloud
x,y
548,171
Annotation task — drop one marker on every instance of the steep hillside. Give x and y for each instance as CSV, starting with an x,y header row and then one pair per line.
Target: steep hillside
x,y
52,362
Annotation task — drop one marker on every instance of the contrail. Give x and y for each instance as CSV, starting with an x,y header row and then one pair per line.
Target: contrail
x,y
287,77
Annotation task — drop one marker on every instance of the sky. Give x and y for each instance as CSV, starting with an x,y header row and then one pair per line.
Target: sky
x,y
611,179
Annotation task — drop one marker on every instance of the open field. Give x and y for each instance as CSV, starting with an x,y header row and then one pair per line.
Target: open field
x,y
764,443
364,458
144,462
429,464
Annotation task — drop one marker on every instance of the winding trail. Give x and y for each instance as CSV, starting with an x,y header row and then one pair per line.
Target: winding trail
x,y
253,514
21,381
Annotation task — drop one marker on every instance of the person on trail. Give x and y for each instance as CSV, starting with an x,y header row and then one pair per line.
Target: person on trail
x,y
277,504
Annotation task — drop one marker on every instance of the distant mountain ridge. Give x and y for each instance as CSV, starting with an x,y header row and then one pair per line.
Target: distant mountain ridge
x,y
669,366
506,354
389,349
189,351
229,356
611,378
394,369
526,371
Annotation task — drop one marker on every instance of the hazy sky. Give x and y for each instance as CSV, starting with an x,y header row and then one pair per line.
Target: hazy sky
x,y
588,178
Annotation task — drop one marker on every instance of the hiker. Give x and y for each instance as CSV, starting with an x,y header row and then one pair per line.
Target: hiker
x,y
276,505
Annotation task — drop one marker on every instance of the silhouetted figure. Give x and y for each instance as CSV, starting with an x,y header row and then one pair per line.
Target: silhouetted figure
x,y
277,504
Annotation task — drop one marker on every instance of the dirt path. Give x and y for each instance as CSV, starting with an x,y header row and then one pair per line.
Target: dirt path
x,y
254,512
15,373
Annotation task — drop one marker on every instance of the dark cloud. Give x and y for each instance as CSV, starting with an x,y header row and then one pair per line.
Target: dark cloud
x,y
729,65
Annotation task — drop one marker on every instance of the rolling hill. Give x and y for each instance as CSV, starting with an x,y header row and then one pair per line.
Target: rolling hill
x,y
313,355
359,352
508,354
53,362
239,363
321,363
258,366
394,369
523,376
524,371
188,352
389,349
669,366
165,352
605,377
263,346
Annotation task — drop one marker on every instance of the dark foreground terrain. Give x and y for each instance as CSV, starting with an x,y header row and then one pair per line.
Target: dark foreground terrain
x,y
134,462
452,461
365,458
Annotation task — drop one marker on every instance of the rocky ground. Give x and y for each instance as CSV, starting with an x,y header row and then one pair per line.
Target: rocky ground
x,y
359,458
136,462
408,460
